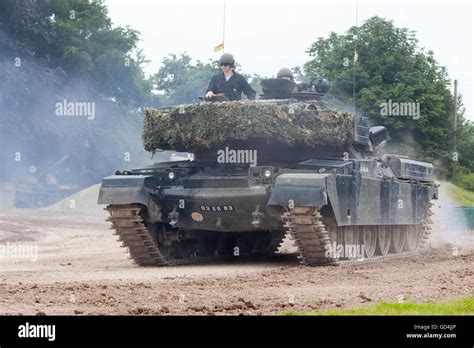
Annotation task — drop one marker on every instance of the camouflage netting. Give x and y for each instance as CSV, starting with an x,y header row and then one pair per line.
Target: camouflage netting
x,y
198,127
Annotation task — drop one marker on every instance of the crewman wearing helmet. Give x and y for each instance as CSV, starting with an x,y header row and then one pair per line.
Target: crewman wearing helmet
x,y
230,83
285,73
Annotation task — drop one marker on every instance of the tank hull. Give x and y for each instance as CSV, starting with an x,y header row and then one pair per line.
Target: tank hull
x,y
254,211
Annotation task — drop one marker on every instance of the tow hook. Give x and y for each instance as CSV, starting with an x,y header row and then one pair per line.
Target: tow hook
x,y
257,216
174,216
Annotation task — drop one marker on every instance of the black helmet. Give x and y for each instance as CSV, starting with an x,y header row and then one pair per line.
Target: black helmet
x,y
227,58
285,72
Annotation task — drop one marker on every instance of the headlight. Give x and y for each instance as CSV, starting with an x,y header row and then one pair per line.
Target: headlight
x,y
171,175
267,173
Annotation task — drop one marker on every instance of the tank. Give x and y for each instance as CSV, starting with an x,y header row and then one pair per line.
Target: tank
x,y
38,189
241,194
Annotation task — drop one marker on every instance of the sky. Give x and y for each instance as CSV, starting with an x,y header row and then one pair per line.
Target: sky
x,y
265,35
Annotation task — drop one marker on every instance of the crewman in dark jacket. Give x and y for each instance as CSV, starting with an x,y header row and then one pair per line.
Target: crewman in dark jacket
x,y
229,83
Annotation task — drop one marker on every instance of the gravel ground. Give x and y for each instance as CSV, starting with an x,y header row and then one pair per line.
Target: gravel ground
x,y
80,270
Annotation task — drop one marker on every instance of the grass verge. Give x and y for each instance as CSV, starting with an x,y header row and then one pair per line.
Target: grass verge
x,y
461,306
461,196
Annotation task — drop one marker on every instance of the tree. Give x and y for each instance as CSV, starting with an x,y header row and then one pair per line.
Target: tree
x,y
179,81
390,67
68,50
77,36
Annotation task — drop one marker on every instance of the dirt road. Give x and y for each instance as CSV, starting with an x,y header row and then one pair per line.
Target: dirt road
x,y
80,269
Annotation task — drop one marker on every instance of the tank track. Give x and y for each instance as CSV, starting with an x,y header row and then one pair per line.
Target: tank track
x,y
134,235
304,225
426,228
130,227
310,235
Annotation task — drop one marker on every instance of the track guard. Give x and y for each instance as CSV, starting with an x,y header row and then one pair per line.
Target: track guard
x,y
126,189
304,190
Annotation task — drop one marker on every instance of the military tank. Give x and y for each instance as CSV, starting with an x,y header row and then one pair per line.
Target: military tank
x,y
283,165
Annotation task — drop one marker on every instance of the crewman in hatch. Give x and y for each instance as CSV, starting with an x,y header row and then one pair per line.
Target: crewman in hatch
x,y
285,73
229,83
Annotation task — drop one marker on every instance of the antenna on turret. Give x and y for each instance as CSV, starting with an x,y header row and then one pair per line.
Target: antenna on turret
x,y
223,31
356,56
221,46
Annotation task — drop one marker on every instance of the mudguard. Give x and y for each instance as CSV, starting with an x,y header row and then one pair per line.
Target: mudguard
x,y
301,189
126,189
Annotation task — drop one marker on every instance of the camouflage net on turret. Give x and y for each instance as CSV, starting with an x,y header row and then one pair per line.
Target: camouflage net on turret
x,y
199,127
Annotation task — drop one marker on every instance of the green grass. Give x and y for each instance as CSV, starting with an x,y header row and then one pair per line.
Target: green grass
x,y
462,306
461,196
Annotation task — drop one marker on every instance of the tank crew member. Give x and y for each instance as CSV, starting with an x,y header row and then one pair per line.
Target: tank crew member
x,y
230,83
285,73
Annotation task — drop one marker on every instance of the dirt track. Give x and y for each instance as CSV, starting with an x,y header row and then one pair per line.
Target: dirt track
x,y
81,270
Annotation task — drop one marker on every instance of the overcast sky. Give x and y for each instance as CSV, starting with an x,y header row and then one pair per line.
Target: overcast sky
x,y
265,35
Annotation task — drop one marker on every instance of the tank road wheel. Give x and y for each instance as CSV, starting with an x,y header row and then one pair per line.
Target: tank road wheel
x,y
351,242
412,237
398,238
383,238
351,235
370,240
